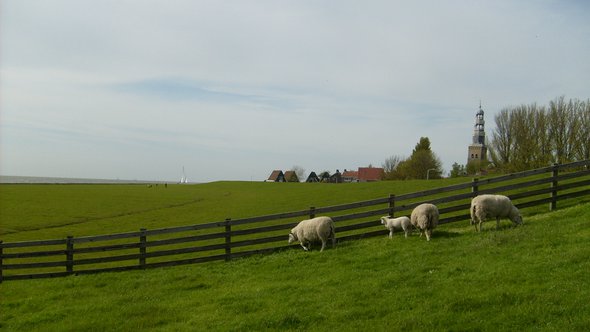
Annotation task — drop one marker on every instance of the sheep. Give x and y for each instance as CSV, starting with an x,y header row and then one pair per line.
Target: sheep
x,y
493,206
425,218
319,228
397,223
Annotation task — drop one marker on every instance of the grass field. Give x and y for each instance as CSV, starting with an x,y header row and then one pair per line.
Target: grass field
x,y
54,211
533,277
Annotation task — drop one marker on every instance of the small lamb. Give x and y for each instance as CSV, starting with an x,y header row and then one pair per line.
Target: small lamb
x,y
493,206
397,223
316,229
425,218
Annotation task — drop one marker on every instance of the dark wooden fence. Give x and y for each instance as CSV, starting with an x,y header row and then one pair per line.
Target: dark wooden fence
x,y
228,239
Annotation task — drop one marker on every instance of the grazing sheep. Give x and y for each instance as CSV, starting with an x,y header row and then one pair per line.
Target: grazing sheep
x,y
397,223
316,229
493,206
425,218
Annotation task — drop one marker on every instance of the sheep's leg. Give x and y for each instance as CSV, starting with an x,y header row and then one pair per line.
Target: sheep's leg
x,y
474,223
323,245
390,234
304,248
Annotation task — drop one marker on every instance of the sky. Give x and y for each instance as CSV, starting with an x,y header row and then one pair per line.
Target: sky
x,y
232,90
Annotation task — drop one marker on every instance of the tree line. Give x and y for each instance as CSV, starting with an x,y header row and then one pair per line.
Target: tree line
x,y
532,136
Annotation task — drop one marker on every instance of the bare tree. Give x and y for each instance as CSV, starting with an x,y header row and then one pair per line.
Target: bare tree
x,y
390,166
582,146
531,136
300,171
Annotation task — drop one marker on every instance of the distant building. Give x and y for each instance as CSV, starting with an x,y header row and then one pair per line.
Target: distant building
x,y
312,177
478,150
350,176
336,177
276,176
291,176
370,174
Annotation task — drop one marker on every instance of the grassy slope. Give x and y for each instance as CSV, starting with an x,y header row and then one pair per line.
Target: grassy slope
x,y
523,278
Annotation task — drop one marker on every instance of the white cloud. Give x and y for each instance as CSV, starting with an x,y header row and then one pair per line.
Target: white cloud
x,y
232,90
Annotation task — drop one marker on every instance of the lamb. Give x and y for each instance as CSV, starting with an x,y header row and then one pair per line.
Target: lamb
x,y
425,218
493,206
316,229
397,223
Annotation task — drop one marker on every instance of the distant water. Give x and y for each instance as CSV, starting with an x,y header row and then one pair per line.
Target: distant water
x,y
49,180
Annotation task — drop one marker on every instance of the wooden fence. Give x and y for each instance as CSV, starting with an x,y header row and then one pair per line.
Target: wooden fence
x,y
228,239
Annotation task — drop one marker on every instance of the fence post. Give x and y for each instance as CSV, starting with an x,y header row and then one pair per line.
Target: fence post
x,y
70,254
1,260
142,247
312,212
227,239
474,187
391,204
554,174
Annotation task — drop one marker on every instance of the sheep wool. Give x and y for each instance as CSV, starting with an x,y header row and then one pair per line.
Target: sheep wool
x,y
425,218
311,230
493,206
400,223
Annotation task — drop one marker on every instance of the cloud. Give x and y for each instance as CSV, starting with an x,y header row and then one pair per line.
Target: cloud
x,y
234,90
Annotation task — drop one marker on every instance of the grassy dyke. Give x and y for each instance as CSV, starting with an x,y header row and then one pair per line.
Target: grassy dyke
x,y
31,212
532,277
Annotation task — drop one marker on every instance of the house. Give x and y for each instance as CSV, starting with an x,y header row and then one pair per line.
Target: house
x,y
276,176
291,176
350,176
312,177
336,177
369,174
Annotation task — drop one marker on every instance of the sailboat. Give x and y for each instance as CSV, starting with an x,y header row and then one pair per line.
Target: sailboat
x,y
183,179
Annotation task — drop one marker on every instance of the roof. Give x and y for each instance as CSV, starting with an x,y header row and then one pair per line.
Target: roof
x,y
370,173
291,176
350,174
275,175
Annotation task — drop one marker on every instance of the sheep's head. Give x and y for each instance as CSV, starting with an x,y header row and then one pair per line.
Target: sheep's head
x,y
515,216
384,220
292,237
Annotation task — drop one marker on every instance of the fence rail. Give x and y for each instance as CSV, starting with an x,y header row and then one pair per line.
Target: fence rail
x,y
228,239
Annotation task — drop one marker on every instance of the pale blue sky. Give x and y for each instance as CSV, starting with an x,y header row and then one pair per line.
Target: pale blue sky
x,y
234,89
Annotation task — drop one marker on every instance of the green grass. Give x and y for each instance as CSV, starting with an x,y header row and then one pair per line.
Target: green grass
x,y
32,212
533,277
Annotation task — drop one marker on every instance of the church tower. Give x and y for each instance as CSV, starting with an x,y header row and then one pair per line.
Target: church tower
x,y
478,150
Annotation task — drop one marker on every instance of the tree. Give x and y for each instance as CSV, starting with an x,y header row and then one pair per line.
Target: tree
x,y
532,136
582,147
300,171
457,170
421,164
390,166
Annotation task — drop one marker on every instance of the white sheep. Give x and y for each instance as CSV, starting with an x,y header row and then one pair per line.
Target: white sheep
x,y
400,223
493,206
425,218
316,229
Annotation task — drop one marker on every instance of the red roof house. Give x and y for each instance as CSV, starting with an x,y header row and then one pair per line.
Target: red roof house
x,y
368,174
